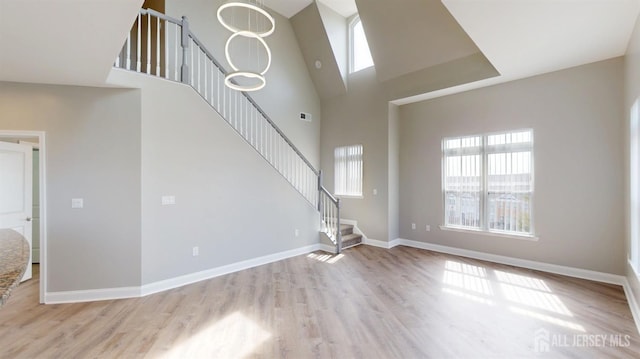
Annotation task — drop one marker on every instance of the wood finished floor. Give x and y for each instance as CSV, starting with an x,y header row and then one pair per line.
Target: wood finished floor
x,y
366,303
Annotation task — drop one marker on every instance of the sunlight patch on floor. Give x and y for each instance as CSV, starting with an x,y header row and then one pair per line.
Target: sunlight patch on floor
x,y
547,318
522,281
519,294
235,336
533,298
467,277
325,258
468,296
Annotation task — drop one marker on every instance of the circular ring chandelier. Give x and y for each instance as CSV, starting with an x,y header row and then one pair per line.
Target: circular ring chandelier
x,y
246,33
253,7
245,74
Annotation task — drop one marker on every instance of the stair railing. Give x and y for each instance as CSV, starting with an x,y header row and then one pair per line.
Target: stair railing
x,y
163,46
329,208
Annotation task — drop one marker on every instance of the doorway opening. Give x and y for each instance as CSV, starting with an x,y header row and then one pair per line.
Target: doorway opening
x,y
36,139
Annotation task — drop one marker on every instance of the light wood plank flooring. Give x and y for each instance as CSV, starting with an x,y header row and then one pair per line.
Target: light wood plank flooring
x,y
366,303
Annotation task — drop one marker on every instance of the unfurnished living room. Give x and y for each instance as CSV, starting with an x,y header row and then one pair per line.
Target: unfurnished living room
x,y
319,179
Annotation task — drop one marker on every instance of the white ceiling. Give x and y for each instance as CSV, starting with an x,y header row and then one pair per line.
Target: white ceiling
x,y
54,41
522,38
528,37
288,8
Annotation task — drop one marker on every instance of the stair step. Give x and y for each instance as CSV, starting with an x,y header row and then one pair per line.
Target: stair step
x,y
346,229
351,240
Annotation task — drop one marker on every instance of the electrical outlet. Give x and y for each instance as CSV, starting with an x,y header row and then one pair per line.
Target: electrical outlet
x,y
77,203
195,251
428,228
413,226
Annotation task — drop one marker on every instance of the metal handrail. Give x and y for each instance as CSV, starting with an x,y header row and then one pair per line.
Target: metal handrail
x,y
183,37
253,102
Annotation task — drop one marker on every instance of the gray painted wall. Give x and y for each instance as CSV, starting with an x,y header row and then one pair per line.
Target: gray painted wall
x,y
631,93
361,117
229,201
93,152
577,119
337,29
289,89
316,32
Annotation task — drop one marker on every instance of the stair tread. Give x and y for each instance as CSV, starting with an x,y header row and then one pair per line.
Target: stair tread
x,y
351,236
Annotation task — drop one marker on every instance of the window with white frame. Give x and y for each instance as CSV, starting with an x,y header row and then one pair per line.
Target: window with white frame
x,y
488,182
348,170
359,54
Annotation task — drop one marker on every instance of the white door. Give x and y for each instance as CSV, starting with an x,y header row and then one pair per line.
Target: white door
x,y
15,191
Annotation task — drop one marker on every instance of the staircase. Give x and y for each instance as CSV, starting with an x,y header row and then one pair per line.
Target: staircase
x,y
349,239
163,46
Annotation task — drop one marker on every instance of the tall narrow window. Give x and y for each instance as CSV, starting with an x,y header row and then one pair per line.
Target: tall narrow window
x,y
359,54
348,170
488,182
462,181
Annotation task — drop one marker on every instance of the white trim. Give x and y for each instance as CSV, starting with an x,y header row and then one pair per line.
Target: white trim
x,y
34,145
377,243
523,263
91,295
633,303
635,270
163,285
524,237
43,201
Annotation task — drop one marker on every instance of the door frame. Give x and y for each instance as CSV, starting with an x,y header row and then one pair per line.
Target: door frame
x,y
43,199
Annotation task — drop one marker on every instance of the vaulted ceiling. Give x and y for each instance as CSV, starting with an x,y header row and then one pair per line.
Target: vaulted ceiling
x,y
416,40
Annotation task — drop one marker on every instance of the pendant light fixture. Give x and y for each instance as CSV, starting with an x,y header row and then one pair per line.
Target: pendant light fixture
x,y
252,16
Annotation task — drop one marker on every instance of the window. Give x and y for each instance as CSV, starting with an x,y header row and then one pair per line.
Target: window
x,y
348,170
359,54
488,182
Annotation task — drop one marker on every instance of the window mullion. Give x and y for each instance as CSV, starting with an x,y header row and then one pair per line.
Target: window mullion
x,y
484,186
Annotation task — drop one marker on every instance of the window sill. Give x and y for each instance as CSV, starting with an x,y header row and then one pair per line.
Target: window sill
x,y
526,237
349,196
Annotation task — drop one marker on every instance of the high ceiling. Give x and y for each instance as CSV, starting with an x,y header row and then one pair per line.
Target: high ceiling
x,y
288,8
520,38
58,37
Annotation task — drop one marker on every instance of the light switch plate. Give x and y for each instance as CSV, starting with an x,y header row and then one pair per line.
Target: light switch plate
x,y
77,203
168,200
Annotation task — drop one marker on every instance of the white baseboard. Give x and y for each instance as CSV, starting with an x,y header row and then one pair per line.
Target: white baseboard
x,y
381,244
376,243
633,303
524,263
91,295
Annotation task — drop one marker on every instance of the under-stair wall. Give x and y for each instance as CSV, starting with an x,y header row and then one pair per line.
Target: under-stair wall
x,y
229,202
